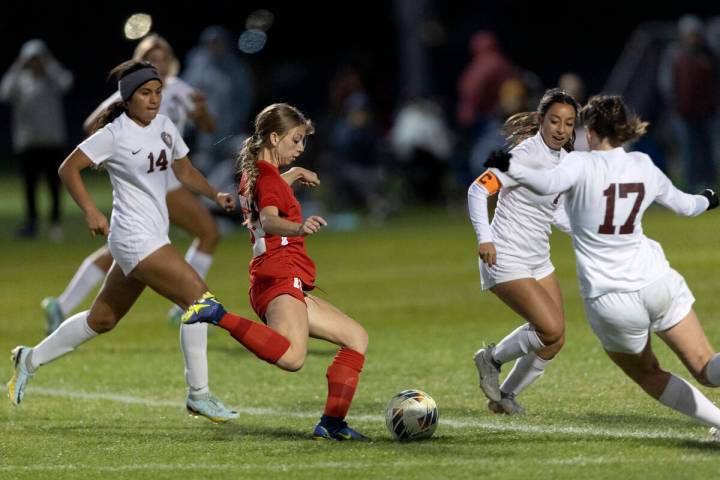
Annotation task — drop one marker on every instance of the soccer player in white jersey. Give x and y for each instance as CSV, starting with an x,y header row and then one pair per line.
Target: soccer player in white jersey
x,y
514,251
138,148
627,284
180,102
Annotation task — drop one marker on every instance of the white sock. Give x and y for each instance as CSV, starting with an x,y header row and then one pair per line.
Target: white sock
x,y
83,282
526,370
72,333
683,397
200,261
712,370
193,342
522,340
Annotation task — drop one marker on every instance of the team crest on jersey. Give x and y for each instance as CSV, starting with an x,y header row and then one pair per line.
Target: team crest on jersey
x,y
167,139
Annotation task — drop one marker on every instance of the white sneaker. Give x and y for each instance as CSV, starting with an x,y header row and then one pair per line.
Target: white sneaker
x,y
488,373
714,434
507,405
210,407
21,376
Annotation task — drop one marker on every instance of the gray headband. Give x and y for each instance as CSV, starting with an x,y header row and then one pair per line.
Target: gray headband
x,y
131,82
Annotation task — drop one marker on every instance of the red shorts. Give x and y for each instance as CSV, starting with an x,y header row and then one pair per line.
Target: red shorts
x,y
262,292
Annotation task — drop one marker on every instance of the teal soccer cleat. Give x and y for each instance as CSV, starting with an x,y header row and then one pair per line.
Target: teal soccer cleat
x,y
16,385
54,315
210,407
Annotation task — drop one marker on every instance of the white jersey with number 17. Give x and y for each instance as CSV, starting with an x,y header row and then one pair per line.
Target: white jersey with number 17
x,y
608,192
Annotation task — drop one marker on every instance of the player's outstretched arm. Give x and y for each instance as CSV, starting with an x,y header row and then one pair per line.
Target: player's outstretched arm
x,y
195,181
682,203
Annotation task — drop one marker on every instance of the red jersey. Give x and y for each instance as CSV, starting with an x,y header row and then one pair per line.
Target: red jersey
x,y
276,256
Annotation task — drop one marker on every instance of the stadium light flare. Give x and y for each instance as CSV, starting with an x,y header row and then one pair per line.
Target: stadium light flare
x,y
260,20
252,41
137,26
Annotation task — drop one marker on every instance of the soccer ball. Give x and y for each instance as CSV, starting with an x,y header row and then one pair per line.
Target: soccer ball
x,y
411,415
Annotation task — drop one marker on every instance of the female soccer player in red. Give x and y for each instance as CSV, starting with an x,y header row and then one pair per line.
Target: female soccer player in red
x,y
282,273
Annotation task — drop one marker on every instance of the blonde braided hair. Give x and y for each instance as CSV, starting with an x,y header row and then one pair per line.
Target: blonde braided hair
x,y
279,118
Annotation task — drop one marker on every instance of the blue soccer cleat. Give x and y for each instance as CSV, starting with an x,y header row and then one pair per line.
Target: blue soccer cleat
x,y
54,315
207,310
16,385
210,407
340,434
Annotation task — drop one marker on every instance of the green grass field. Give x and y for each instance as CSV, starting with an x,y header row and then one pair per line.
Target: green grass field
x,y
115,407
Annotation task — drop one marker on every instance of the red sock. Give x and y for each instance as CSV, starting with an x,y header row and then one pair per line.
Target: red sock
x,y
343,375
260,339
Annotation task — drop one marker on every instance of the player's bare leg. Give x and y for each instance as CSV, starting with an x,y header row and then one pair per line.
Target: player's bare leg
x,y
329,323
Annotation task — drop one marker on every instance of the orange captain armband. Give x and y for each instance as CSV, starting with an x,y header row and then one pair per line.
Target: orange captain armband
x,y
489,181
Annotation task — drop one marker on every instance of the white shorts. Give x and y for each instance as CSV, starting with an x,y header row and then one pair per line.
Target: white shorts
x,y
129,250
506,271
622,320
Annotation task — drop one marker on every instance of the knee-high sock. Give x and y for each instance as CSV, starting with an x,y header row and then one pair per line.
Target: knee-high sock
x,y
343,375
683,397
83,282
260,339
526,370
193,342
522,340
712,370
72,333
200,261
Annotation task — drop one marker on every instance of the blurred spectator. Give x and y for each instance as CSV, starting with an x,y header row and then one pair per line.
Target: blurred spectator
x,y
574,85
688,80
353,140
478,93
34,86
712,33
421,140
479,84
214,68
513,98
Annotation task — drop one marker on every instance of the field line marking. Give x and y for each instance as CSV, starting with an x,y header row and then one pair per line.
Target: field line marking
x,y
445,422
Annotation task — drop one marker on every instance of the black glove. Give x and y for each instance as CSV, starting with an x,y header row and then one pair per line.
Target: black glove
x,y
500,159
712,198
